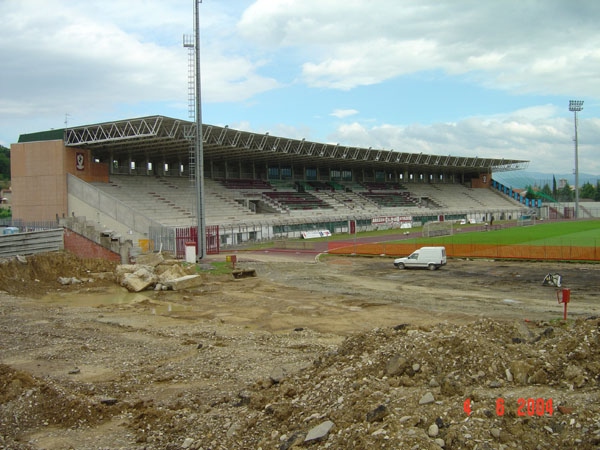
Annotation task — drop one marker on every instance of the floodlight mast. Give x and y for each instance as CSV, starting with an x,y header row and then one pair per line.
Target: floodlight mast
x,y
199,151
576,106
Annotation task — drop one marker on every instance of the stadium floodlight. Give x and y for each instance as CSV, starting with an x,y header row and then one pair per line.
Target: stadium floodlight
x,y
198,147
576,106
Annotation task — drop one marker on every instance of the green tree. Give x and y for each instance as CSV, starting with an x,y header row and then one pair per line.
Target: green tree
x,y
587,191
547,191
565,194
597,195
4,163
531,194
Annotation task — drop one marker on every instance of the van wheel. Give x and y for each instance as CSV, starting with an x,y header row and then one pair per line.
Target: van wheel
x,y
400,266
431,267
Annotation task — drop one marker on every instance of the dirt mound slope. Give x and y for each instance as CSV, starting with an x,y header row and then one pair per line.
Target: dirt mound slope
x,y
37,274
485,385
291,359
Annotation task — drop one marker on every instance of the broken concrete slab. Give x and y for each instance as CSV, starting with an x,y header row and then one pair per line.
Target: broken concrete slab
x,y
185,282
150,259
243,273
138,281
166,273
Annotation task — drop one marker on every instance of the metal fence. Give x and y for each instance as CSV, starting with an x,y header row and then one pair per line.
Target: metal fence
x,y
239,234
24,226
492,251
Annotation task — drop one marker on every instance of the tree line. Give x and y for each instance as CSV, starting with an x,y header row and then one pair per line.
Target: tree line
x,y
5,213
4,164
565,193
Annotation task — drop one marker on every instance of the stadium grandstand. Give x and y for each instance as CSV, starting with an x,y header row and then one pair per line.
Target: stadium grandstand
x,y
135,179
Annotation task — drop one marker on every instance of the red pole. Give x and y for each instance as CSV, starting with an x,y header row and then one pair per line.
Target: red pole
x,y
566,298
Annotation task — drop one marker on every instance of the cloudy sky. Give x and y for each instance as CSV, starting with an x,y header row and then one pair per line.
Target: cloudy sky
x,y
459,77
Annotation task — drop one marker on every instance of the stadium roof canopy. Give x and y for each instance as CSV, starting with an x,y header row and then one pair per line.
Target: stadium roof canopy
x,y
160,138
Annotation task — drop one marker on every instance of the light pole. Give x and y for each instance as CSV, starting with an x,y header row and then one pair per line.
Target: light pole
x,y
575,106
198,148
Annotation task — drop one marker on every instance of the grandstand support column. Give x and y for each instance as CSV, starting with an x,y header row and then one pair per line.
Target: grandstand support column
x,y
199,152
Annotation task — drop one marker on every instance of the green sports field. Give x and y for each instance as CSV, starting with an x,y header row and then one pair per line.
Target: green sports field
x,y
585,233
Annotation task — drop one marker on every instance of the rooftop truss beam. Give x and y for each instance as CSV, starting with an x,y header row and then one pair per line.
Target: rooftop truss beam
x,y
168,138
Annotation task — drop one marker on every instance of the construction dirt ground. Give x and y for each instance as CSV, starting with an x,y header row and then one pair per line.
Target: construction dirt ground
x,y
312,352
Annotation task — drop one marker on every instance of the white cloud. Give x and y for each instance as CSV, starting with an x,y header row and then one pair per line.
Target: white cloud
x,y
63,56
482,137
342,113
279,64
510,45
228,79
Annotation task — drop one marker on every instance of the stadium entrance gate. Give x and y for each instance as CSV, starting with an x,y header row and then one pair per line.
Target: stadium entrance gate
x,y
175,239
212,240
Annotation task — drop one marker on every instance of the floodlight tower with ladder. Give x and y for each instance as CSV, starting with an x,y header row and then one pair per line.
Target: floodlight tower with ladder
x,y
576,106
197,156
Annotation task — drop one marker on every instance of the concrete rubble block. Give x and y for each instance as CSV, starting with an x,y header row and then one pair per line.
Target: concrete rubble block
x,y
396,366
69,280
166,273
186,282
150,259
170,261
574,374
319,432
138,281
426,399
278,374
123,269
243,273
521,371
187,443
103,276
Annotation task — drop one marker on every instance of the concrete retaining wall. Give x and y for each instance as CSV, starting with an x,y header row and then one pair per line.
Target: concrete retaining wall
x,y
86,248
31,242
113,244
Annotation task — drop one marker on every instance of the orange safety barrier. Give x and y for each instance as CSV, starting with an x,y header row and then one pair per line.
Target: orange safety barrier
x,y
529,252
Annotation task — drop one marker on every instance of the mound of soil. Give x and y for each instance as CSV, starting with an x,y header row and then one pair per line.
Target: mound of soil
x,y
336,354
36,275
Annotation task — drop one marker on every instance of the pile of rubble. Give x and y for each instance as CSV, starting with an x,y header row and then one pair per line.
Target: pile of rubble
x,y
153,271
184,383
480,386
487,385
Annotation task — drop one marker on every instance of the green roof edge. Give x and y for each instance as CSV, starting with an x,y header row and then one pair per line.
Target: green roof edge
x,y
50,135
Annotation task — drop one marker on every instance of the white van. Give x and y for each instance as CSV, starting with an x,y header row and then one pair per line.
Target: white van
x,y
431,258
